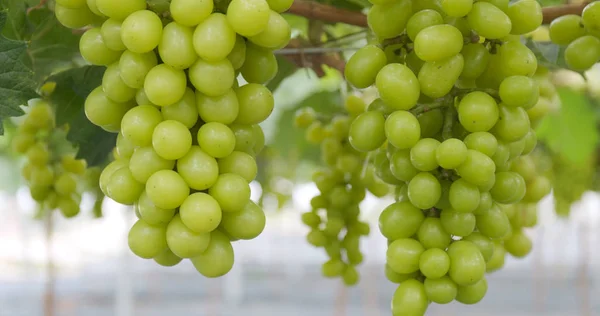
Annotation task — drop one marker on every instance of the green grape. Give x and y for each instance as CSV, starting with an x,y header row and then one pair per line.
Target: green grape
x,y
216,139
402,129
478,112
76,166
221,109
477,169
38,154
456,223
485,203
398,277
457,8
590,17
524,166
212,78
389,20
65,184
565,29
518,91
304,117
400,220
516,59
431,234
218,258
276,35
134,67
108,171
69,207
489,21
199,170
255,103
167,189
525,15
398,86
467,266
497,260
147,241
200,213
316,238
152,214
530,141
438,78
184,242
423,154
167,258
367,131
409,298
119,10
280,5
364,65
421,20
74,18
39,193
22,142
145,162
441,291
513,124
111,34
259,139
583,53
493,223
214,38
240,163
190,12
438,42
509,187
237,57
431,123
451,153
114,87
260,65
231,191
246,224
184,111
244,138
518,244
165,85
476,58
42,176
248,17
434,263
138,124
483,243
401,166
472,294
141,31
333,268
464,197
171,140
124,147
176,46
311,219
123,188
104,112
403,255
350,276
537,189
424,190
94,50
94,8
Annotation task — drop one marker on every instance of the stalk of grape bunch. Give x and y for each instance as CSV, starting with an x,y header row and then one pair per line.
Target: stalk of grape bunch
x,y
187,129
452,130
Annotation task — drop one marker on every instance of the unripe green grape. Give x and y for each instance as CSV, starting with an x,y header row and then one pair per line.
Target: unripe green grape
x,y
583,53
139,123
440,291
260,65
423,154
424,190
231,191
431,234
456,223
509,187
483,243
400,220
65,184
111,34
464,197
537,189
76,166
214,38
184,242
212,78
248,17
438,42
216,139
171,139
398,277
434,263
410,298
516,59
518,244
119,10
280,5
218,258
190,12
39,193
525,15
167,189
276,35
167,259
518,91
311,219
123,188
68,207
145,162
240,163
421,20
477,168
389,20
141,31
124,147
457,8
222,109
237,57
165,85
245,140
398,86
22,142
401,166
483,142
200,213
590,17
147,241
467,264
74,18
451,153
114,87
350,276
476,57
540,109
438,78
489,21
94,50
304,117
472,294
403,255
108,171
152,214
367,131
513,124
256,103
316,238
246,224
184,111
176,46
134,67
478,112
494,223
104,112
402,129
94,8
38,154
364,65
333,268
199,170
565,29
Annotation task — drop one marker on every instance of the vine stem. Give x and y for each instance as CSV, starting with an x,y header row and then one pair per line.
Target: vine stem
x,y
317,11
449,118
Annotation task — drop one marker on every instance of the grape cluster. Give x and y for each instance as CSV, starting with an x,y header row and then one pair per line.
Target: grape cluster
x,y
580,35
51,170
188,132
451,129
334,219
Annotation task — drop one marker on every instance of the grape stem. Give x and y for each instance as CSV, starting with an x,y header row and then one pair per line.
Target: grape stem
x,y
449,118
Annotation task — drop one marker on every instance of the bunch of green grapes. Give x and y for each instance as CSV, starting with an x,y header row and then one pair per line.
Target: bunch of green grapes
x,y
457,99
334,219
51,170
580,35
188,132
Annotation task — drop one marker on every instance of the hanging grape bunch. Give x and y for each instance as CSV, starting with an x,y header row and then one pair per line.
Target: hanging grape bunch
x,y
452,130
50,169
187,131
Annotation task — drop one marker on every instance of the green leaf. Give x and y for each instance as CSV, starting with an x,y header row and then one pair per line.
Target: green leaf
x,y
16,80
571,131
72,87
285,68
548,54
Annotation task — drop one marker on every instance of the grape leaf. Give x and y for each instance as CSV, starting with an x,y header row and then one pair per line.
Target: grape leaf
x,y
16,80
548,54
571,131
72,87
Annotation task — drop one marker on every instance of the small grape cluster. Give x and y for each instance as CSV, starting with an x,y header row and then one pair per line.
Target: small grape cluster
x,y
580,35
188,132
51,170
450,129
334,219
